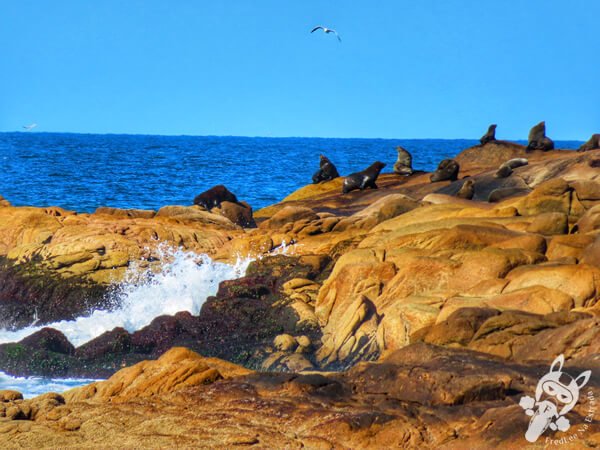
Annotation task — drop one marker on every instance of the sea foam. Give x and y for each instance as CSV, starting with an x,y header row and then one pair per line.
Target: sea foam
x,y
184,282
33,386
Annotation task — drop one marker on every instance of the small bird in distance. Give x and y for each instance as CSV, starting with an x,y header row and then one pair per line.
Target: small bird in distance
x,y
326,31
30,127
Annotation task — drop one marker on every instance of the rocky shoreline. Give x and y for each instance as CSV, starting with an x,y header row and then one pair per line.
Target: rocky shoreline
x,y
398,316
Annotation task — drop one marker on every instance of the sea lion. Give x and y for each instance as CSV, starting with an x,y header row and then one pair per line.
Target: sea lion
x,y
403,165
364,179
326,172
467,190
239,213
538,140
503,172
489,136
592,143
214,197
506,169
447,170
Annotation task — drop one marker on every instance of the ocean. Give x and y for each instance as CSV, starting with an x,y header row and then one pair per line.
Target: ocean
x,y
84,171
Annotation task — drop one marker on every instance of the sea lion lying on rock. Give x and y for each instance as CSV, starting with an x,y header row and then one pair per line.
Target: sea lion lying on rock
x,y
447,170
506,169
214,197
592,143
538,140
403,165
326,172
467,190
489,136
364,179
220,200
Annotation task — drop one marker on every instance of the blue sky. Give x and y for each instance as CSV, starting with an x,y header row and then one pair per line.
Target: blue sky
x,y
405,69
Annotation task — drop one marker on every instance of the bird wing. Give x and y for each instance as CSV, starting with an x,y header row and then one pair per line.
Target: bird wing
x,y
316,28
336,34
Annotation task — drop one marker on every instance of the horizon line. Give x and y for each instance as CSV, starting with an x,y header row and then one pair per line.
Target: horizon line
x,y
268,137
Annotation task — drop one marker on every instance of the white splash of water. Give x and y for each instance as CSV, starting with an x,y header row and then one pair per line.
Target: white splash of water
x,y
183,284
33,386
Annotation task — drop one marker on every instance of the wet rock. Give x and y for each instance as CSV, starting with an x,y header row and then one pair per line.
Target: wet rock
x,y
50,340
29,294
158,336
115,342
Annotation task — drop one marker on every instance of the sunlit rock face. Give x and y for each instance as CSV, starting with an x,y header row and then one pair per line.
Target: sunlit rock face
x,y
430,314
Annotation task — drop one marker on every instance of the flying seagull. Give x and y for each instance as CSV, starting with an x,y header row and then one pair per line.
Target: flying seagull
x,y
327,31
30,127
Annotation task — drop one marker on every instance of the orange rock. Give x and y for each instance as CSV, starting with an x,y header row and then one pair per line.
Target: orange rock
x,y
176,369
580,282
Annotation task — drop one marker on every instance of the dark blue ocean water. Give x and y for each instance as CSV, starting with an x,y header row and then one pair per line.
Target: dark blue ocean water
x,y
84,171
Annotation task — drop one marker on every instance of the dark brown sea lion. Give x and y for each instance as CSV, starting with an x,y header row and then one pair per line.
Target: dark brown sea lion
x,y
364,179
489,136
538,140
592,143
506,169
326,172
467,190
403,165
447,170
214,197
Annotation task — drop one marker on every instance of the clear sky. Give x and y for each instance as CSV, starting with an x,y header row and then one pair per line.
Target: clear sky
x,y
404,69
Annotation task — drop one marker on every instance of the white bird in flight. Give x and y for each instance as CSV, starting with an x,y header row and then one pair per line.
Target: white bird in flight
x,y
327,31
30,127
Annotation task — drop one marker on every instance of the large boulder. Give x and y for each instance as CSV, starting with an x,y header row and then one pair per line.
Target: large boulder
x,y
176,369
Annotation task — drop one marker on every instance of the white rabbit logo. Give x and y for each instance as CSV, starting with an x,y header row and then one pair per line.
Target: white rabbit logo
x,y
555,390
